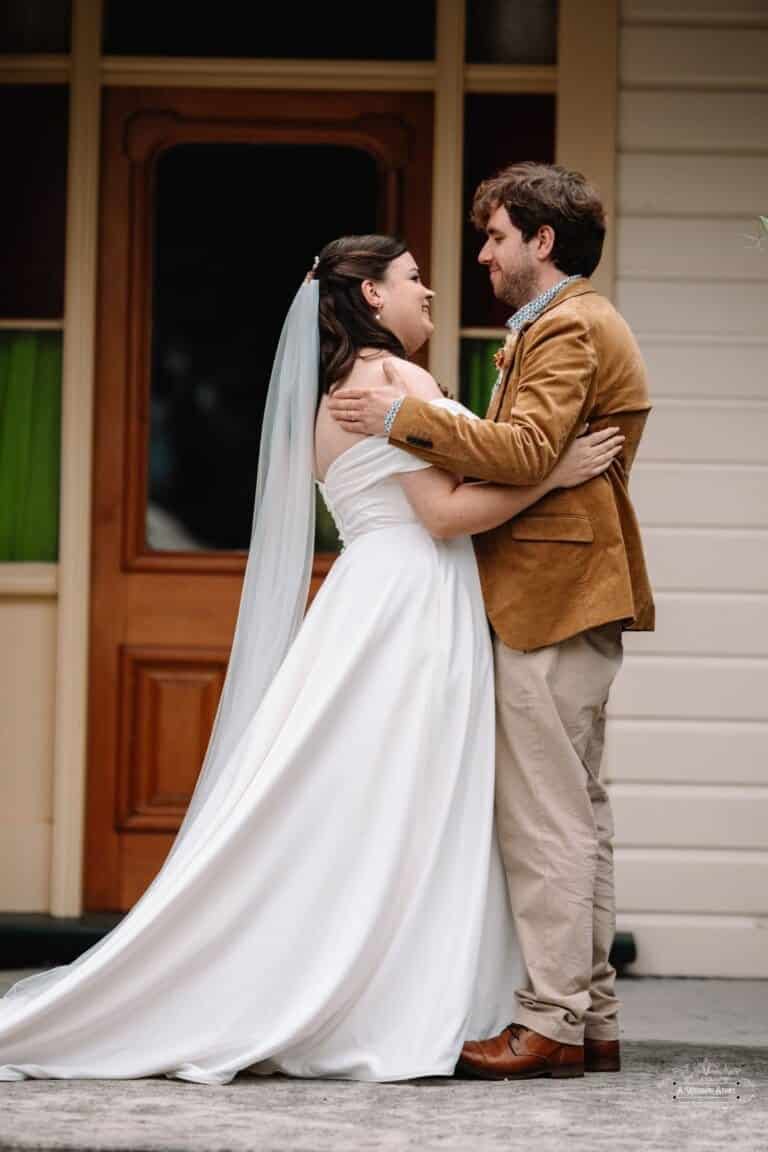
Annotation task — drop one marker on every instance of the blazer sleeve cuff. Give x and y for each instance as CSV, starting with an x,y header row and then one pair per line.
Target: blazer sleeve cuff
x,y
408,426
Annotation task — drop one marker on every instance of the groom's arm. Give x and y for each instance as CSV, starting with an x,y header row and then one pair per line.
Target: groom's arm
x,y
557,377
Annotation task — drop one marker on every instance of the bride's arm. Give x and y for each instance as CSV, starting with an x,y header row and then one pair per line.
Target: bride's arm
x,y
448,508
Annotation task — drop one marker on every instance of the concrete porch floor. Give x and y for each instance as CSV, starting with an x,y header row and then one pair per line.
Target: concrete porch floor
x,y
695,1078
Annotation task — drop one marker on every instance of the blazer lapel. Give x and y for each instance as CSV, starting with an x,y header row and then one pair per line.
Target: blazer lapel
x,y
497,397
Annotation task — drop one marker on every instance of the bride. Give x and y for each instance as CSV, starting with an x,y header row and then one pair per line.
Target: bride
x,y
322,909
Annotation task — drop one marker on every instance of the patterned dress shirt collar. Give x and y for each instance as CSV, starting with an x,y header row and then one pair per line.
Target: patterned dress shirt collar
x,y
533,308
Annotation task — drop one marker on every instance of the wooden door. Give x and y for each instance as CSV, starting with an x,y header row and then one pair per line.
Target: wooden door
x,y
213,206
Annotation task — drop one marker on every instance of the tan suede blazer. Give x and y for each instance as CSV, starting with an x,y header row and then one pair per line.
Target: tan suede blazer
x,y
575,559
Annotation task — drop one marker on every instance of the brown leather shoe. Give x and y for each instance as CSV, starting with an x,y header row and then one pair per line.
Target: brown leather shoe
x,y
601,1055
519,1053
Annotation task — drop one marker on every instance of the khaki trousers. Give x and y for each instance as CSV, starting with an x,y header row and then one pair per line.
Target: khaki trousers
x,y
555,829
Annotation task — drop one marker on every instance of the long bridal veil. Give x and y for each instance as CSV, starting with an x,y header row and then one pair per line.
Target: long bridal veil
x,y
279,564
275,587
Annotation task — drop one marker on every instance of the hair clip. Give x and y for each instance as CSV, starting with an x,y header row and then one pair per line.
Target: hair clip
x,y
311,274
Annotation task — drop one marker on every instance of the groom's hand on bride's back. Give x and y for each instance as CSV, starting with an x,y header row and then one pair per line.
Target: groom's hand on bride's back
x,y
362,410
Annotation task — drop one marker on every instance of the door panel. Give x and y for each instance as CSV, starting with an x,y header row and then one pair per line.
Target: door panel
x,y
213,206
169,698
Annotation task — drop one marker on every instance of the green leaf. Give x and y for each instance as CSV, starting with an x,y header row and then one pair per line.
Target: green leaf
x,y
764,223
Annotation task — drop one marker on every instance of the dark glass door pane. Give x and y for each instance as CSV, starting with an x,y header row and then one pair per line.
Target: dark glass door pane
x,y
499,130
512,31
28,26
33,192
342,30
236,228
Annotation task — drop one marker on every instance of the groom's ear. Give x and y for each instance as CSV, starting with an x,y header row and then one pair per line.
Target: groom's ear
x,y
545,242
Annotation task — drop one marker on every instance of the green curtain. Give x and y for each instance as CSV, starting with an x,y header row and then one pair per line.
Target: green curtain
x,y
30,445
477,373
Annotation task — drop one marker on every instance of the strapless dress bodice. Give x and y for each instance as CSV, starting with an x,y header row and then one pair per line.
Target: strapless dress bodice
x,y
361,490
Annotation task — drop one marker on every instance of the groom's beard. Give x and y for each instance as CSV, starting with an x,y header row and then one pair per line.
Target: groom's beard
x,y
517,288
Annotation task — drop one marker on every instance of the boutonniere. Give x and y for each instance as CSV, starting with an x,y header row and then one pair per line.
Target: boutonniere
x,y
501,360
502,357
507,350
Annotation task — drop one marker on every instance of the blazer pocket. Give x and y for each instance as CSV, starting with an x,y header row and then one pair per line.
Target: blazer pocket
x,y
561,526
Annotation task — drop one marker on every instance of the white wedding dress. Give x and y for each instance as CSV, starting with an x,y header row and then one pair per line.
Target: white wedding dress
x,y
344,913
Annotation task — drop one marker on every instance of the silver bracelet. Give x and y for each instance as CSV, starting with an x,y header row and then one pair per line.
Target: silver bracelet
x,y
392,412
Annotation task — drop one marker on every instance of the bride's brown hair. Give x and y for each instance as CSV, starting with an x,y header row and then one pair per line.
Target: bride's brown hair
x,y
347,322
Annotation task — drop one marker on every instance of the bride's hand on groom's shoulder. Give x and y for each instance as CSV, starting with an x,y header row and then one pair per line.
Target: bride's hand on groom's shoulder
x,y
587,457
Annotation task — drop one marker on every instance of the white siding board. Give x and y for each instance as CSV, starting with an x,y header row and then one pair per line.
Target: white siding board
x,y
730,369
686,752
707,560
706,309
753,13
674,121
694,58
660,184
692,880
700,495
659,249
679,816
690,688
714,432
708,625
677,944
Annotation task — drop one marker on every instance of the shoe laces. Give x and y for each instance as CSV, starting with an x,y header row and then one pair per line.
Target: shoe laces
x,y
514,1035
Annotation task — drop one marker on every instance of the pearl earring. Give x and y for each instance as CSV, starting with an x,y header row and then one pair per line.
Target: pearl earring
x,y
378,316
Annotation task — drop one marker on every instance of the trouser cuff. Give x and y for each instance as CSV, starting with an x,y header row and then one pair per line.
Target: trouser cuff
x,y
551,1027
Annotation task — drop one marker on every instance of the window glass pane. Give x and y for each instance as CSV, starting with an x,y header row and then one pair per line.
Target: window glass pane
x,y
512,31
33,200
478,372
343,30
236,229
30,438
34,26
499,130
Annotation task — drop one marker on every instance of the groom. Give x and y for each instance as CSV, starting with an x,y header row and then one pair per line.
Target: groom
x,y
561,582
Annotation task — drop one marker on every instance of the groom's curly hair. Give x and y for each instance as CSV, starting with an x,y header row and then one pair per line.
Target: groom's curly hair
x,y
535,194
347,322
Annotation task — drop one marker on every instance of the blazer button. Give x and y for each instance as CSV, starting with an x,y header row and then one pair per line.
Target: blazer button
x,y
418,442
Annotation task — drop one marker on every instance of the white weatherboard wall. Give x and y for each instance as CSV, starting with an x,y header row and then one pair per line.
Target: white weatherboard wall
x,y
27,660
687,752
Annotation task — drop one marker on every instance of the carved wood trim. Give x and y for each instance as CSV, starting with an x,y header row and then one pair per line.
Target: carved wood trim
x,y
143,801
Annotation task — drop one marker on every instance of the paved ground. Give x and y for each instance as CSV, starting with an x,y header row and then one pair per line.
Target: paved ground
x,y
695,1078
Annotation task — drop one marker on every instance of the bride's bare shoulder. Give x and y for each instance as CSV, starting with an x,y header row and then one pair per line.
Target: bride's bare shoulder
x,y
418,381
